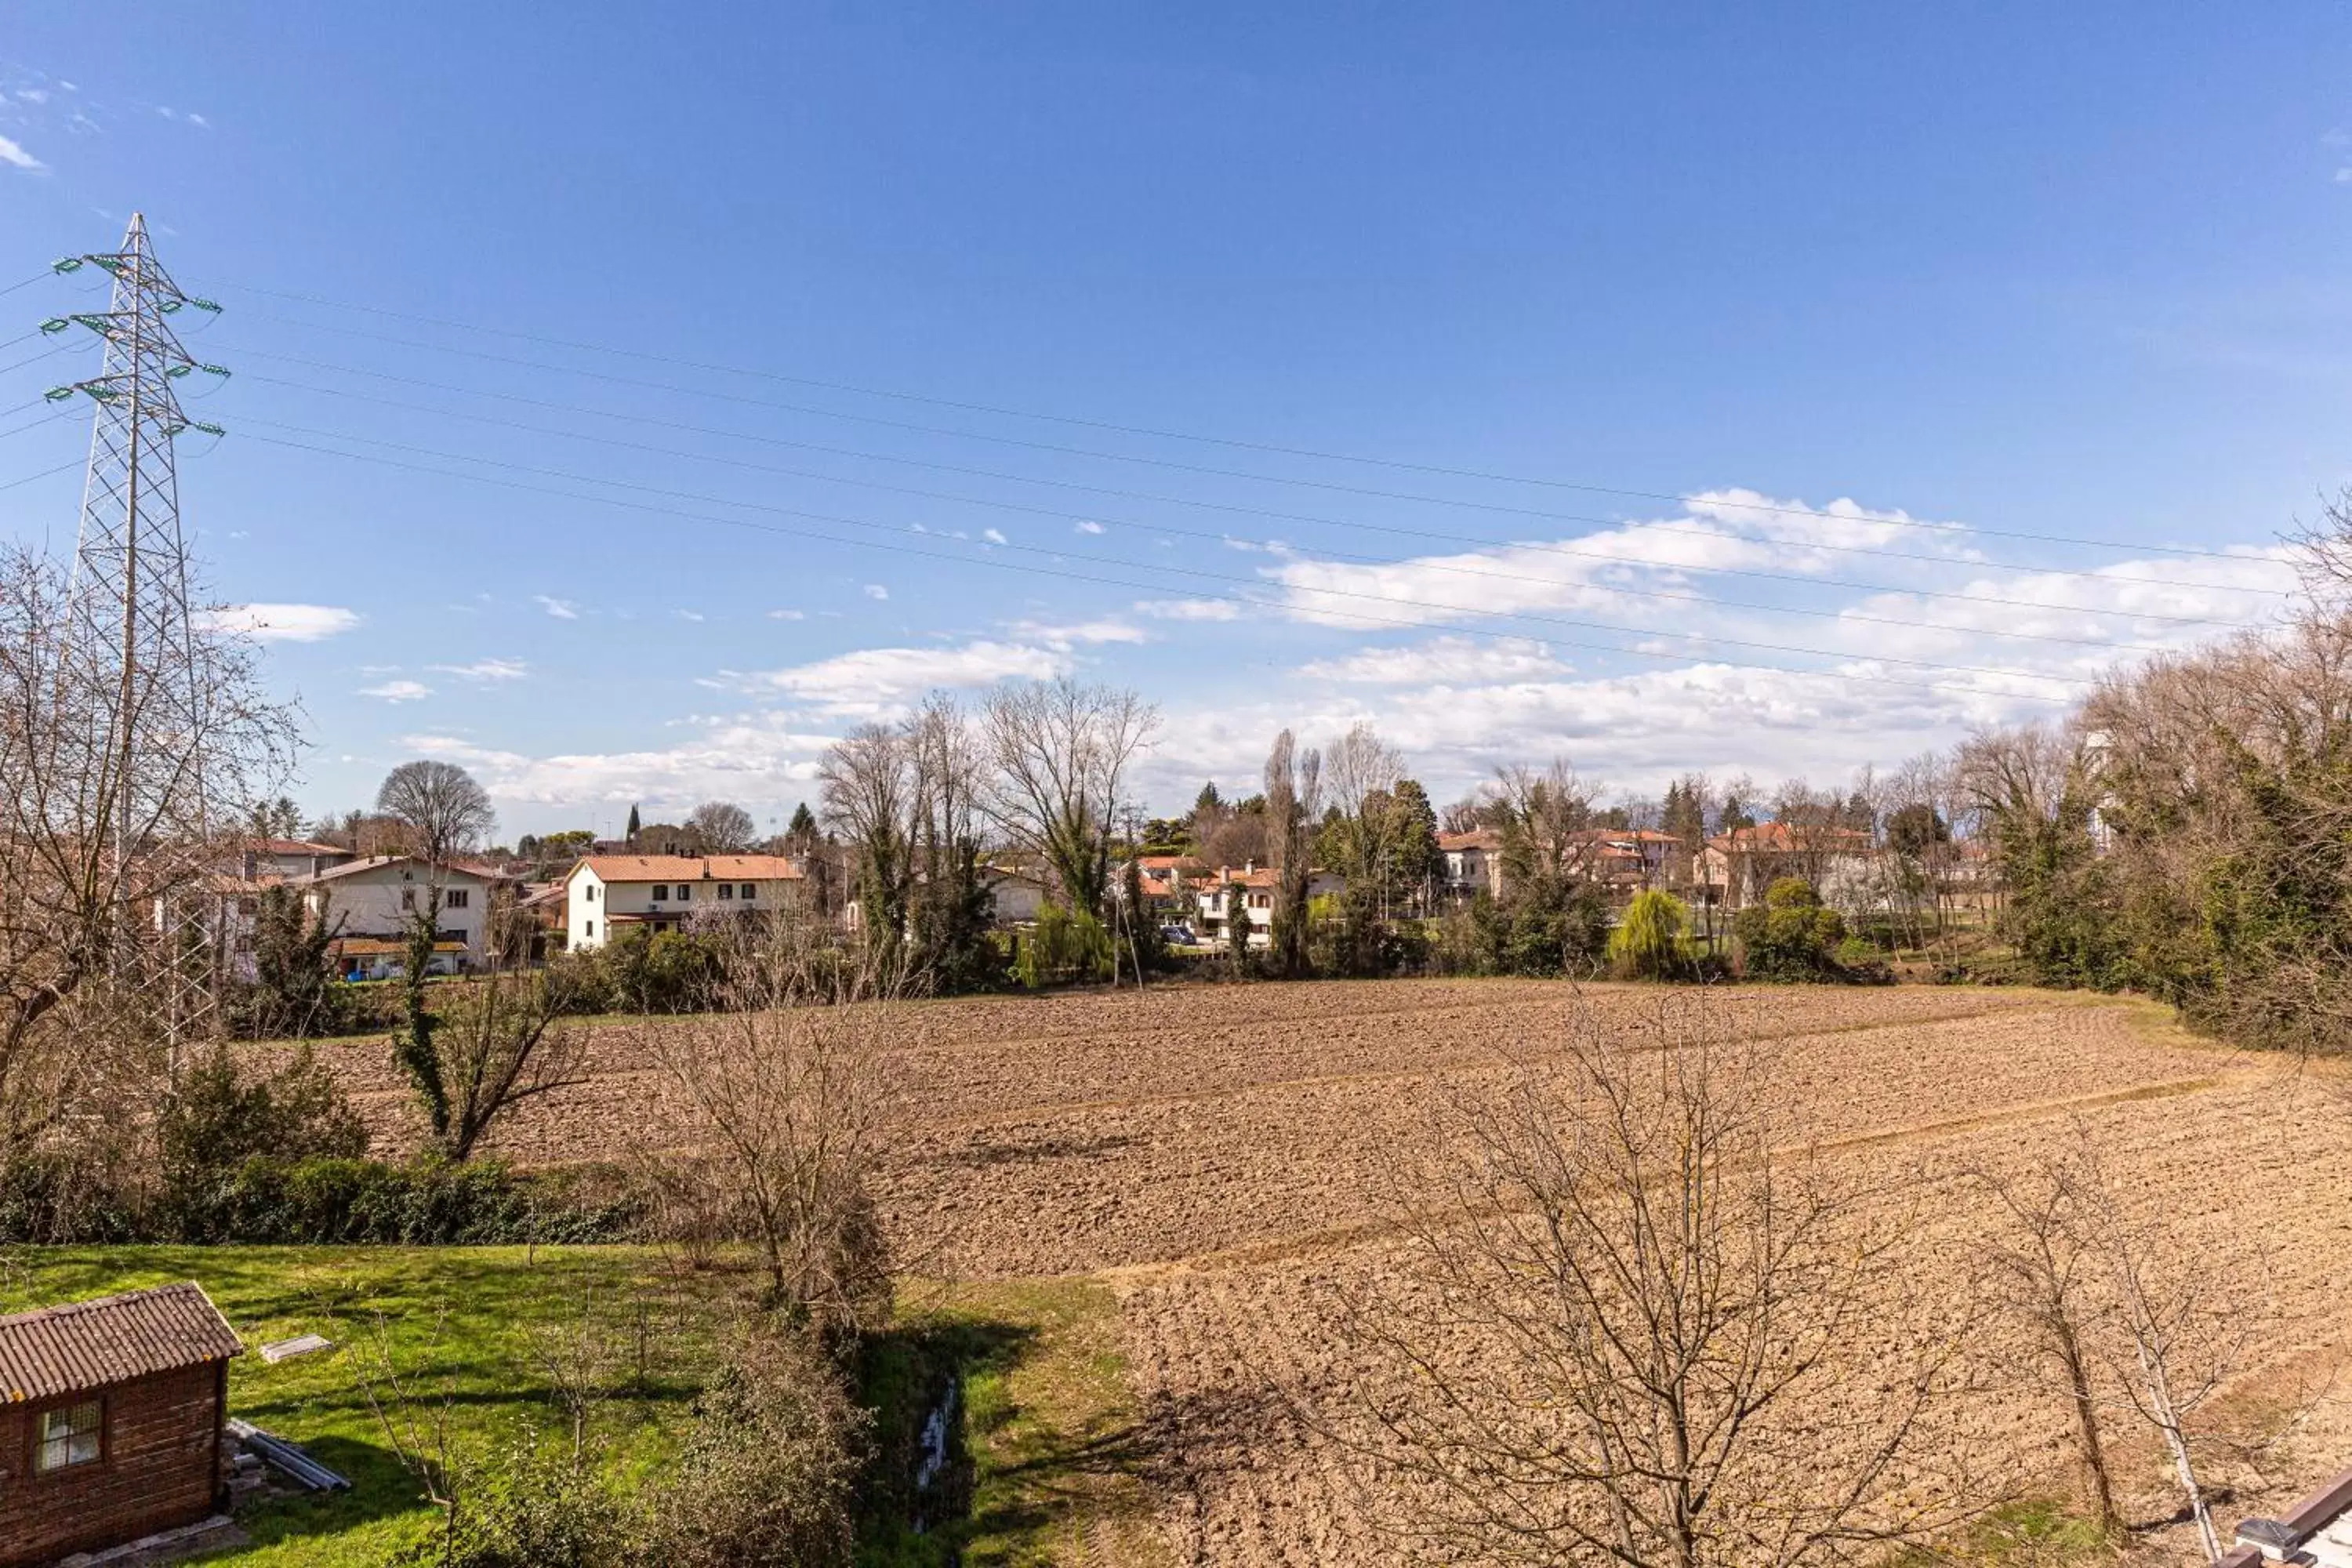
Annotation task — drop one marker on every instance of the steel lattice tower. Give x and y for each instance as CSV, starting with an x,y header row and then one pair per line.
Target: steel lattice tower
x,y
132,628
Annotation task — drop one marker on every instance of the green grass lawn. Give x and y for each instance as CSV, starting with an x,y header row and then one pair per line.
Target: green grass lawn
x,y
461,1320
1048,1457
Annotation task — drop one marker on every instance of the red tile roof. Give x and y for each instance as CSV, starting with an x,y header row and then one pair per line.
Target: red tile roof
x,y
109,1339
692,868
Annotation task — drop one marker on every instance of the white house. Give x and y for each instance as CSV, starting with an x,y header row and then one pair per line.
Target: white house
x,y
609,893
1259,885
1014,896
369,903
1473,860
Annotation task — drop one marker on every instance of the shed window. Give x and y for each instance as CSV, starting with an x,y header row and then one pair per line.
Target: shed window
x,y
67,1437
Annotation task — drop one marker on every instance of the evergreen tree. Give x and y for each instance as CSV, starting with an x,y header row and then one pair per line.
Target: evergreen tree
x,y
632,833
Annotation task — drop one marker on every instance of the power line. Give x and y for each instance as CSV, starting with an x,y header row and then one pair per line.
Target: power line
x,y
1618,589
1161,569
1361,491
44,474
2099,576
42,276
1271,449
984,560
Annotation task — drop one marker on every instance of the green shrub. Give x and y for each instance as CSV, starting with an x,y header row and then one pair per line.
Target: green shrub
x,y
1793,936
1063,947
769,1469
1653,940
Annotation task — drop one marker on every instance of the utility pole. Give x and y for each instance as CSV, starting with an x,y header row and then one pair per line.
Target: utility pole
x,y
131,626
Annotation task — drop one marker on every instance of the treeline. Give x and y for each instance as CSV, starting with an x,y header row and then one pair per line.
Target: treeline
x,y
2188,832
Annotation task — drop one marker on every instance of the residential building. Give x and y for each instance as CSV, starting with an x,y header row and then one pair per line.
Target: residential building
x,y
369,902
111,1416
1015,894
1257,888
608,894
284,860
1474,861
1737,866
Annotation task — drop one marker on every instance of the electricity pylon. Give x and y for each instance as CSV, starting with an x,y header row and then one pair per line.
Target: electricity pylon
x,y
132,635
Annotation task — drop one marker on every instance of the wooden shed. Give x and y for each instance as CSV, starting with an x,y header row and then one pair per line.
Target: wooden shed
x,y
110,1413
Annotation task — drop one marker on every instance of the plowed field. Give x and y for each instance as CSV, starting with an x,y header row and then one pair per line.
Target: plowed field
x,y
1226,1159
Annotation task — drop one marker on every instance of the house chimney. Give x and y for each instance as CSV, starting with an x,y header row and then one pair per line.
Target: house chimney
x,y
1249,867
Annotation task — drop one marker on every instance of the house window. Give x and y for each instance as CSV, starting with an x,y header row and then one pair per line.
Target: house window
x,y
591,929
407,898
67,1437
726,889
1261,900
661,891
456,898
750,889
248,906
588,894
684,893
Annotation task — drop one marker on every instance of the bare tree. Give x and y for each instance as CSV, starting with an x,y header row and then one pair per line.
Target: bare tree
x,y
869,798
506,1041
2175,1334
1542,817
1060,753
1294,807
951,909
787,1088
1625,1330
439,803
118,804
1360,773
724,827
2045,1273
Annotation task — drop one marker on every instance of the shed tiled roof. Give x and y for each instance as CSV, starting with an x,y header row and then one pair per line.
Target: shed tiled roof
x,y
110,1339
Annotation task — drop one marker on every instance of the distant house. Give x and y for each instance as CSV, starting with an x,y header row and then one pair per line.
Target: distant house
x,y
369,902
1015,894
1737,867
111,1420
608,894
285,859
1474,861
1258,885
1168,881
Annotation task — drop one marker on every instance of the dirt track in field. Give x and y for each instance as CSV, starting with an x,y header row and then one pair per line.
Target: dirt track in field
x,y
1229,1158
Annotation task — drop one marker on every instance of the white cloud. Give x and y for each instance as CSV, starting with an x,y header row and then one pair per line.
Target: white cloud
x,y
877,591
1189,609
13,153
32,94
486,670
788,614
994,535
872,683
283,623
691,616
1108,630
1089,528
762,759
398,691
1441,661
562,609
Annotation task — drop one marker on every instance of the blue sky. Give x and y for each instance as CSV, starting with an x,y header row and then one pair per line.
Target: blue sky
x,y
2076,275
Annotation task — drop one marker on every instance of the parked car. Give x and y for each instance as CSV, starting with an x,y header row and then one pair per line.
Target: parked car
x,y
1178,936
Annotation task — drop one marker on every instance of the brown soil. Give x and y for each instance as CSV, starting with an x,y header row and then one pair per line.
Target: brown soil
x,y
1230,1157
